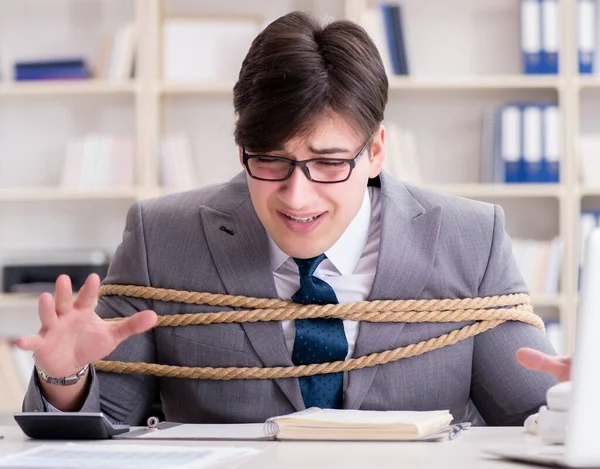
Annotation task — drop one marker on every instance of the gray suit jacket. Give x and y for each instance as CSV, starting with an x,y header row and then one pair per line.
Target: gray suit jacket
x,y
432,246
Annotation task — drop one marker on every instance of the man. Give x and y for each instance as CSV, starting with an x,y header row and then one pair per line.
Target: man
x,y
314,219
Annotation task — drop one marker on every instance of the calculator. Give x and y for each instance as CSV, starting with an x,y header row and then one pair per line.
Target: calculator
x,y
68,425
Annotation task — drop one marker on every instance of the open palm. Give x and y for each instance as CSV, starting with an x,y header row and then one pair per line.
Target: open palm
x,y
72,334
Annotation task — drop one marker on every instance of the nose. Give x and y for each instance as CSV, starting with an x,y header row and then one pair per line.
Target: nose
x,y
298,191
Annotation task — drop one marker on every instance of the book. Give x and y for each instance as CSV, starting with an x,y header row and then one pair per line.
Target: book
x,y
521,143
56,69
531,36
315,424
346,424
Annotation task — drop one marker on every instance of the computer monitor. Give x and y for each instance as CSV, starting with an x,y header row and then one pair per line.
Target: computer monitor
x,y
582,443
582,447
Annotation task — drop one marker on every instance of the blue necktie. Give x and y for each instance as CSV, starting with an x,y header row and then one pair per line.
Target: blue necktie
x,y
318,340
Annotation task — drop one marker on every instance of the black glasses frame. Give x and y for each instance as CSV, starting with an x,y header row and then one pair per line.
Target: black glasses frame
x,y
302,165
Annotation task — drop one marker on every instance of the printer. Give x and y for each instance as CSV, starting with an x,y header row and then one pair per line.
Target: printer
x,y
36,271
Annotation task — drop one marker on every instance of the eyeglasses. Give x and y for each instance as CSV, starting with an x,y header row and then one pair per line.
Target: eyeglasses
x,y
321,170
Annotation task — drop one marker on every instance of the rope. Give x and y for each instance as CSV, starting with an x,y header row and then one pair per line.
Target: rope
x,y
488,312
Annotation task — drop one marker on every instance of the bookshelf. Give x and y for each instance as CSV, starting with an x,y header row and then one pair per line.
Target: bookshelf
x,y
46,194
442,102
453,83
91,87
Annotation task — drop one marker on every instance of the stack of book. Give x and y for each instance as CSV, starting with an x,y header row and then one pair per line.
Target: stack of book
x,y
98,161
521,144
539,263
540,36
53,69
540,33
117,61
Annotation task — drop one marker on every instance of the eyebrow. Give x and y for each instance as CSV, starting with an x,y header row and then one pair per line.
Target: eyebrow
x,y
320,151
327,151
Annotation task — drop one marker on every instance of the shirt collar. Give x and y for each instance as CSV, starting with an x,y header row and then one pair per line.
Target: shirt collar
x,y
347,250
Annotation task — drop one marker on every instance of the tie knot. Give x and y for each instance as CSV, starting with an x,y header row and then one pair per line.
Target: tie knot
x,y
307,267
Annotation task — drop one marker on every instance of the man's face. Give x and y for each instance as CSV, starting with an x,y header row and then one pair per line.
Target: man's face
x,y
306,218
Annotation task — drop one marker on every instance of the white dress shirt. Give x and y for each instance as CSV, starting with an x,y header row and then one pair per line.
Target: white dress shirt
x,y
349,268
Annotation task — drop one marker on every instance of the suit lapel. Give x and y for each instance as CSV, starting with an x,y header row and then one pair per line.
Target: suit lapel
x,y
409,235
242,261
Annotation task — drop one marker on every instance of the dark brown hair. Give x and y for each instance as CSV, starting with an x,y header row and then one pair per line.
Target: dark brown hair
x,y
297,70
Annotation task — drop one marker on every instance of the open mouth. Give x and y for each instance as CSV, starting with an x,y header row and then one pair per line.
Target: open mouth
x,y
302,224
303,219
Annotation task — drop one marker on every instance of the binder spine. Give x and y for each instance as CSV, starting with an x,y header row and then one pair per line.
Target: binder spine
x,y
511,143
552,144
586,35
390,35
550,36
532,143
531,36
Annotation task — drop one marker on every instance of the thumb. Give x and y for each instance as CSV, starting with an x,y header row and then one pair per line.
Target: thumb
x,y
136,324
538,361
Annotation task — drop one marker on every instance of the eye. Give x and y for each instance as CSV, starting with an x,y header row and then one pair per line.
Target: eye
x,y
265,160
331,164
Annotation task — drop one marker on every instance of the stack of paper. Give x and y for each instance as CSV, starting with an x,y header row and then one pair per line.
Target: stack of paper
x,y
83,456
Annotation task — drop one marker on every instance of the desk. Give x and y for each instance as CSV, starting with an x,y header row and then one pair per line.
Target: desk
x,y
463,453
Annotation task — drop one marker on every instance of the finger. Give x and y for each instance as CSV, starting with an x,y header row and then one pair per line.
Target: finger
x,y
63,298
30,343
46,311
136,324
87,295
538,361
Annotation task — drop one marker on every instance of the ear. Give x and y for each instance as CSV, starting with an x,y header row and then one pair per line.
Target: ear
x,y
241,156
377,152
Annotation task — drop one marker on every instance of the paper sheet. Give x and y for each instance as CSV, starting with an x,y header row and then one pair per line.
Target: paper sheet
x,y
88,456
242,431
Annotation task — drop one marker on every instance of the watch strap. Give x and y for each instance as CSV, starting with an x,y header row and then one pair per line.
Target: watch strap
x,y
65,381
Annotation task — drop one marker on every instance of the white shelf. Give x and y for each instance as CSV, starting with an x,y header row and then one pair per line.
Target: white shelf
x,y
553,301
398,83
501,190
17,300
225,88
36,194
589,192
588,82
499,82
56,88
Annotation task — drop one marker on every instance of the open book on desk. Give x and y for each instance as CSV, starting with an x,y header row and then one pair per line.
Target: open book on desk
x,y
316,424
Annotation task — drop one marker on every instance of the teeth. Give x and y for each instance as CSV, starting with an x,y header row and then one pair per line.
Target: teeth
x,y
301,220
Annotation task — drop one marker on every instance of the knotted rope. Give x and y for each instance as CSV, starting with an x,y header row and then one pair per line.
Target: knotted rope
x,y
487,312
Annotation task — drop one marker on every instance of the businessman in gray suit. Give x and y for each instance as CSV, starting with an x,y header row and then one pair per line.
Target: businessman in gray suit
x,y
311,218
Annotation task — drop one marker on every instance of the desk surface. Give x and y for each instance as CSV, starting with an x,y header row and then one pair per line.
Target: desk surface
x,y
463,452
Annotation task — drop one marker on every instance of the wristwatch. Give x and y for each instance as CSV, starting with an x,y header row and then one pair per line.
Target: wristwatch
x,y
67,380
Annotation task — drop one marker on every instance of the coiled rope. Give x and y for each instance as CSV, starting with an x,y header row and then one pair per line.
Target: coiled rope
x,y
487,312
